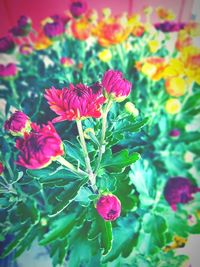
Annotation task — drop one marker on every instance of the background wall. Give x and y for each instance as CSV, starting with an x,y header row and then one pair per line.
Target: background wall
x,y
11,10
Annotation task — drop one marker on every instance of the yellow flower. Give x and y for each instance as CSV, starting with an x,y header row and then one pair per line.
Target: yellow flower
x,y
152,67
174,68
153,45
105,55
176,86
172,106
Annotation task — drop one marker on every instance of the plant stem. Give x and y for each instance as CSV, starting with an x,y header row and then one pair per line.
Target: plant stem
x,y
70,166
103,135
14,91
86,157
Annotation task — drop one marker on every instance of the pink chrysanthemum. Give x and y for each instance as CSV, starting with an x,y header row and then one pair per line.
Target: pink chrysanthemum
x,y
18,123
40,147
109,207
9,70
77,102
179,190
115,85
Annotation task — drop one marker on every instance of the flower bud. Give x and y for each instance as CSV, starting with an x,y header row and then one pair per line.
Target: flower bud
x,y
116,86
179,190
173,106
1,168
189,157
87,132
67,62
78,7
7,44
108,207
18,124
9,70
174,133
130,108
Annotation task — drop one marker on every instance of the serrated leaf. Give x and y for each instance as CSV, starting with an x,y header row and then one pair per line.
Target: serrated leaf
x,y
103,229
124,237
73,151
117,161
68,195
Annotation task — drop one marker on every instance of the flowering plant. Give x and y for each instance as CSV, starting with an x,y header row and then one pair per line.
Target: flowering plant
x,y
99,145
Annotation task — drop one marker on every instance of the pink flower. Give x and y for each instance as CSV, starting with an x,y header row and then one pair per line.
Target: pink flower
x,y
18,124
109,207
40,147
116,87
8,70
1,168
78,7
179,190
77,102
26,49
67,62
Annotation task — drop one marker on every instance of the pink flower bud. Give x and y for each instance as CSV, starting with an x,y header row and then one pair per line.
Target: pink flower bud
x,y
174,133
78,7
40,147
1,168
67,62
8,70
18,124
109,207
116,87
179,190
77,102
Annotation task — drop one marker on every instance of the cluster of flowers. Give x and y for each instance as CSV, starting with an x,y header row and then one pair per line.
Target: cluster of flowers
x,y
39,146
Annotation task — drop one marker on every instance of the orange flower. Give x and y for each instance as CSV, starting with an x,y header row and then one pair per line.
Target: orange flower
x,y
176,86
152,67
138,30
165,14
112,31
42,42
81,28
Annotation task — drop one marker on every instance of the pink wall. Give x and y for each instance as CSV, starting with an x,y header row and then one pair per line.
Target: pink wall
x,y
10,10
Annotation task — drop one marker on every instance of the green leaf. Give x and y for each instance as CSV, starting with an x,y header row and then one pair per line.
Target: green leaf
x,y
59,251
59,228
124,237
144,180
151,223
18,239
116,162
73,151
103,229
129,124
68,195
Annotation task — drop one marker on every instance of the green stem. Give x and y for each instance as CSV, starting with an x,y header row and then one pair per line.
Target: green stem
x,y
13,88
86,157
70,166
103,135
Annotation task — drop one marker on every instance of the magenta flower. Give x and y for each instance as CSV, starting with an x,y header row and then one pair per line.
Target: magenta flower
x,y
77,102
1,168
169,26
55,28
109,207
40,147
115,85
174,133
18,124
7,44
179,190
23,27
9,70
78,7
